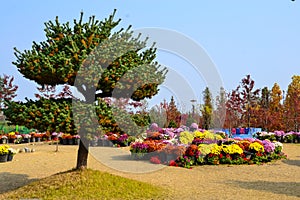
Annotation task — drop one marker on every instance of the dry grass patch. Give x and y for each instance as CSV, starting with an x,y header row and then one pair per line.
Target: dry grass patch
x,y
87,184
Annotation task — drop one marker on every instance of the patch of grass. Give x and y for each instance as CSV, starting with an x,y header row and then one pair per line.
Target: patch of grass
x,y
87,184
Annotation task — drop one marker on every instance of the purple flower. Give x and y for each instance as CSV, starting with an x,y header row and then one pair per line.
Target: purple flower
x,y
250,139
54,134
194,126
238,138
169,132
279,133
268,146
76,136
139,146
123,137
154,127
179,130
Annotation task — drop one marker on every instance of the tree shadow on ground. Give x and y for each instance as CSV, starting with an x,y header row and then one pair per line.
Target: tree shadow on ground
x,y
121,157
286,188
9,181
292,162
132,158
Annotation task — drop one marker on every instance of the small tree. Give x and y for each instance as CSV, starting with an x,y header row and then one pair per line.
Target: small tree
x,y
233,109
220,111
207,109
262,114
7,90
249,96
107,56
172,113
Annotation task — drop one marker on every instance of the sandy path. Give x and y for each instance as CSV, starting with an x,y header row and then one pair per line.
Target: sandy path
x,y
279,180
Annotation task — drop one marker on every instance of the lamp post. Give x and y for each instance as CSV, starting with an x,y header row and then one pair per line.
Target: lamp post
x,y
193,106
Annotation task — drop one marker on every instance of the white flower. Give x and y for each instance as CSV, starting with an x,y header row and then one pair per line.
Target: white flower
x,y
138,140
278,144
144,135
27,136
12,151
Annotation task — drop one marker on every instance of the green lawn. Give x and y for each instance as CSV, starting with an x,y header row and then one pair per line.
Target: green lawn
x,y
87,184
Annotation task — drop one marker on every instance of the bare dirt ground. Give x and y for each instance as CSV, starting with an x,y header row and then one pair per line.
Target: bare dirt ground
x,y
276,180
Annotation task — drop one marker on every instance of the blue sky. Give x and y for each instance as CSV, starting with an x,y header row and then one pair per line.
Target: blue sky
x,y
261,38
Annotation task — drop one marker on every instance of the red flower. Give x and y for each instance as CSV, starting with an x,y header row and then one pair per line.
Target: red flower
x,y
173,163
155,160
246,159
221,156
258,154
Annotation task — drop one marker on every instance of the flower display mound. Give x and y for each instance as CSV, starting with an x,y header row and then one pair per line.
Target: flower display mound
x,y
186,148
230,151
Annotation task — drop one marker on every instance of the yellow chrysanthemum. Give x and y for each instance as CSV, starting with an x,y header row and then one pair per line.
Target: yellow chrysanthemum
x,y
199,134
206,148
209,135
257,147
216,149
232,149
218,137
4,149
186,137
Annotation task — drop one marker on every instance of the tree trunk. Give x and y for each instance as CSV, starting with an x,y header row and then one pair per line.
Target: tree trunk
x,y
83,152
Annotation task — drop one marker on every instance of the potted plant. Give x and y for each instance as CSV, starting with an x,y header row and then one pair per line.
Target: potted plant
x,y
26,138
38,137
11,153
138,150
54,136
18,139
76,139
288,137
4,153
3,139
12,137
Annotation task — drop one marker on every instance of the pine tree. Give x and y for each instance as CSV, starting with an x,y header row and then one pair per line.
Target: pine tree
x,y
96,60
249,96
173,115
207,109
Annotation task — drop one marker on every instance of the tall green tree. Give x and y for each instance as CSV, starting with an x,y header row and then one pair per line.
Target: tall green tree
x,y
207,108
107,57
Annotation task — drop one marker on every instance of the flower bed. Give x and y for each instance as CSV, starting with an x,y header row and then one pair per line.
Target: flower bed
x,y
281,136
201,147
16,138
